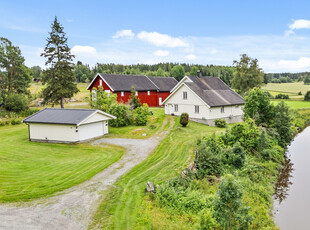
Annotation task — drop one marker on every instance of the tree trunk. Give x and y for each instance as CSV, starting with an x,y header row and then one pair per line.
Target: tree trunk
x,y
62,103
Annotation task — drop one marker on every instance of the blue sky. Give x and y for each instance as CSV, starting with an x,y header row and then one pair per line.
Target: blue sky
x,y
277,33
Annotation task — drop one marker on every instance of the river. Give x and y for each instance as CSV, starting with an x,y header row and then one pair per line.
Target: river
x,y
292,191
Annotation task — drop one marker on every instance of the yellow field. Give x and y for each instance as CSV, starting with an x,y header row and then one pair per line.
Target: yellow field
x,y
287,88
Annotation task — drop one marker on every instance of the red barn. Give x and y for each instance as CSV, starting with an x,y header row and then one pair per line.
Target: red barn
x,y
147,90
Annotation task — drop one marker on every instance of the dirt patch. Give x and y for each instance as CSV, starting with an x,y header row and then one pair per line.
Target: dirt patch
x,y
74,207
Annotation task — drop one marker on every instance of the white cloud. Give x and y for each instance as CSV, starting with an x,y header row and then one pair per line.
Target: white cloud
x,y
162,40
191,57
298,24
161,53
83,50
293,65
123,34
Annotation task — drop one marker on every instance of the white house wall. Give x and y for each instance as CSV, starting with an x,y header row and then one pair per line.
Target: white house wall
x,y
92,130
96,117
53,132
205,112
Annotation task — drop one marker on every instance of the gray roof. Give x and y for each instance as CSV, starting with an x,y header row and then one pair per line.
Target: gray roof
x,y
60,116
214,91
126,82
164,84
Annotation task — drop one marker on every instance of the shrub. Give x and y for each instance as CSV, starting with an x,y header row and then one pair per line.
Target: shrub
x,y
15,103
283,124
307,96
140,116
282,96
236,155
122,114
221,123
134,101
228,208
207,221
184,119
299,93
269,94
16,121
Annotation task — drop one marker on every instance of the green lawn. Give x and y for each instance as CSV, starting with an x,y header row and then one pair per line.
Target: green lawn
x,y
154,124
122,204
294,104
31,170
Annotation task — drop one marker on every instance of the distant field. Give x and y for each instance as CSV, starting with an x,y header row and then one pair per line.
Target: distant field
x,y
294,104
292,89
31,170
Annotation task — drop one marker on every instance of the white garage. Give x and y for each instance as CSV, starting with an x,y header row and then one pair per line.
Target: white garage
x,y
67,125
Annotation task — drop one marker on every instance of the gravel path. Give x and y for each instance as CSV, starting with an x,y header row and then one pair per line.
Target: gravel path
x,y
74,207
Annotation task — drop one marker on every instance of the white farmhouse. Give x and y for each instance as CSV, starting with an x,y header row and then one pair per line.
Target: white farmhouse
x,y
204,99
67,125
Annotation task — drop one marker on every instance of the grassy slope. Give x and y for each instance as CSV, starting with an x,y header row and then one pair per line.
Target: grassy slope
x,y
31,170
121,206
289,88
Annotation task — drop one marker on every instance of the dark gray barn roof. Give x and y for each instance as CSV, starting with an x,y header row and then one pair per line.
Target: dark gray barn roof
x,y
214,91
164,84
60,116
126,82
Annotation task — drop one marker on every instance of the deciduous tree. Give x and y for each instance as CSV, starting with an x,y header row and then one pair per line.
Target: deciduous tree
x,y
59,77
247,74
178,72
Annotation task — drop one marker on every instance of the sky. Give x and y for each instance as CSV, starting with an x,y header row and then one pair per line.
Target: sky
x,y
277,33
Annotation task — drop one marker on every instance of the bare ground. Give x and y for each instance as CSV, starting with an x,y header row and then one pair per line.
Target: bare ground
x,y
75,207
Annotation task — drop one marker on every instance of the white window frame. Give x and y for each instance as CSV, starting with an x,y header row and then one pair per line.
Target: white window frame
x,y
222,109
100,82
136,93
148,93
197,109
122,93
176,108
184,95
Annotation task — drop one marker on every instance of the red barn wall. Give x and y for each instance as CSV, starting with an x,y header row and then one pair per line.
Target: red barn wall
x,y
163,96
96,83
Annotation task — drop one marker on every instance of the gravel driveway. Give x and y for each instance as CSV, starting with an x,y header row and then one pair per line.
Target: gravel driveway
x,y
74,207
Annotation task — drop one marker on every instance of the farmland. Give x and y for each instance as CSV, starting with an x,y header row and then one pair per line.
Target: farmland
x,y
291,89
32,170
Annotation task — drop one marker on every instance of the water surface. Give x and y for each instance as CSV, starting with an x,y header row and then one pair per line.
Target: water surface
x,y
292,192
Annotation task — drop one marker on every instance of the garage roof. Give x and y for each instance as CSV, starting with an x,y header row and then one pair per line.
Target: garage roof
x,y
62,116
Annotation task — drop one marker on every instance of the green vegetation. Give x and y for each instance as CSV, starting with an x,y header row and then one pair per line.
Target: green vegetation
x,y
291,89
221,123
184,119
282,96
31,170
247,74
59,76
16,103
154,124
307,96
124,206
295,104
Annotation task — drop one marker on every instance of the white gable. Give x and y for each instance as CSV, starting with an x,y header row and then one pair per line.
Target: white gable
x,y
96,117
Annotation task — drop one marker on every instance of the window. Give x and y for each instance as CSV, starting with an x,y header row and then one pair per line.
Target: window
x,y
222,109
184,95
148,92
136,93
176,108
196,108
100,82
122,94
94,94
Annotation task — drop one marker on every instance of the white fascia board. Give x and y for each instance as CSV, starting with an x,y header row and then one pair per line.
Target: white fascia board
x,y
98,74
179,83
97,111
189,90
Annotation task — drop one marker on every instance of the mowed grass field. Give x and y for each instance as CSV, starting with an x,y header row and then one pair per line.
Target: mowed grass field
x,y
291,89
294,104
31,170
123,202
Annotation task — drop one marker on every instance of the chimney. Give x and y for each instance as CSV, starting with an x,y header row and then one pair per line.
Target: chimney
x,y
198,73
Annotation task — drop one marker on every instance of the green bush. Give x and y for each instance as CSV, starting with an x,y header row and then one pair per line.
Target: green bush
x,y
16,121
236,155
299,93
122,114
184,119
16,103
140,116
307,96
282,96
221,123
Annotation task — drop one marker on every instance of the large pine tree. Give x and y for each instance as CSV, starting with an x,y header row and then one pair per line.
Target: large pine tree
x,y
59,77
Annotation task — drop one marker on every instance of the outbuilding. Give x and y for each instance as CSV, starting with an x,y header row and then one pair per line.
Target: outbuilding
x,y
67,125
